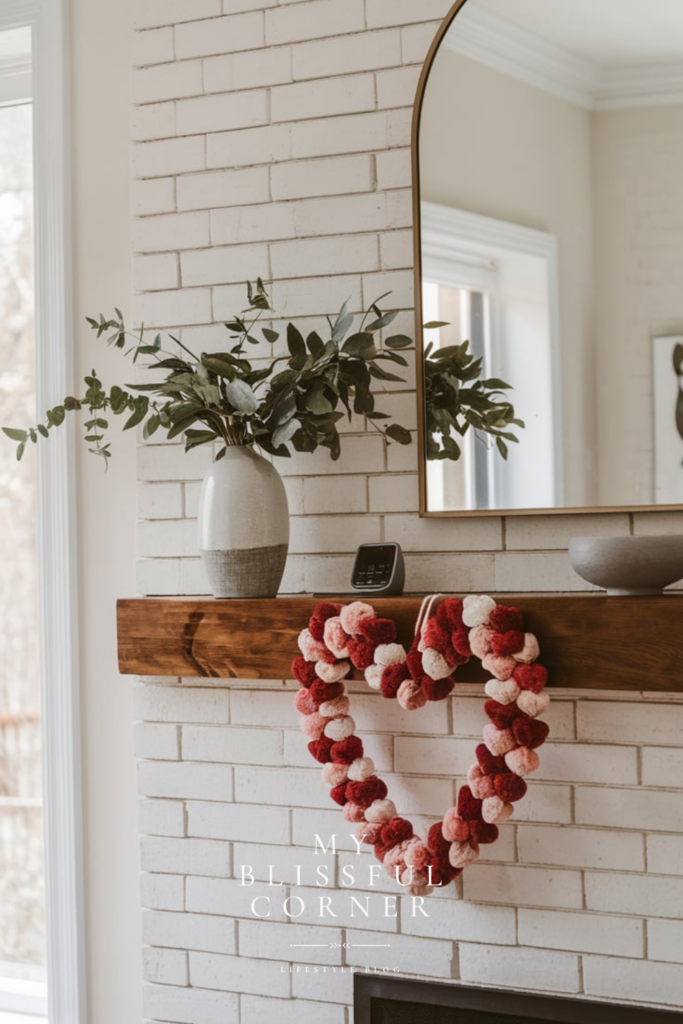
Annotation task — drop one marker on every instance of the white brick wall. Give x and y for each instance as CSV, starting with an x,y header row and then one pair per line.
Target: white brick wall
x,y
272,137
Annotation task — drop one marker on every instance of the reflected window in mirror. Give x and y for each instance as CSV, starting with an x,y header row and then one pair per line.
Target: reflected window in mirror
x,y
549,157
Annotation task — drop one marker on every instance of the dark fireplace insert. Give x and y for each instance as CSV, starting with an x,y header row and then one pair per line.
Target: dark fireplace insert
x,y
382,1000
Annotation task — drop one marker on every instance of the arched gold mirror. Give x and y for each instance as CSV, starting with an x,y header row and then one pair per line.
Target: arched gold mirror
x,y
548,182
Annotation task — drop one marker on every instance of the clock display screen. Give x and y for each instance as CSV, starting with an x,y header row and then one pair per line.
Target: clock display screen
x,y
374,565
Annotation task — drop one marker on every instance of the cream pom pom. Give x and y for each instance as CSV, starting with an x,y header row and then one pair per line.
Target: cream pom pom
x,y
332,673
334,708
334,774
476,610
480,641
530,651
361,769
435,665
339,729
373,676
390,654
461,854
522,761
505,691
381,810
353,614
311,649
533,704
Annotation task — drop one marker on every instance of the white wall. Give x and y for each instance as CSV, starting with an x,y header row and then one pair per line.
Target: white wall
x,y
100,58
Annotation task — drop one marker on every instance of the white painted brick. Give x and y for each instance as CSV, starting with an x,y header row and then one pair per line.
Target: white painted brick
x,y
153,195
403,12
249,707
331,176
394,169
464,922
322,257
171,231
410,955
545,532
582,932
661,766
419,796
400,285
359,454
425,755
470,573
416,40
372,712
172,156
581,847
154,121
219,35
156,742
313,20
167,81
223,188
630,808
250,146
664,941
170,462
335,494
535,969
237,974
295,495
229,898
645,895
232,745
157,577
632,979
327,575
665,855
221,112
445,534
216,265
357,133
629,722
394,493
170,309
264,940
537,571
346,95
469,718
340,215
536,887
183,780
193,578
237,822
578,762
152,47
259,1010
161,817
305,298
167,12
397,88
285,866
282,789
165,966
400,208
327,534
548,802
153,273
160,501
397,250
249,70
176,704
335,985
346,54
184,856
162,892
189,931
189,1006
235,6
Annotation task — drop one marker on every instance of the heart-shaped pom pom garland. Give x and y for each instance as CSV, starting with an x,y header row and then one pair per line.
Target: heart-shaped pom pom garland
x,y
340,637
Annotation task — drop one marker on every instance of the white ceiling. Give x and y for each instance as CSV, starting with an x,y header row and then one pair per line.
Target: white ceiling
x,y
610,33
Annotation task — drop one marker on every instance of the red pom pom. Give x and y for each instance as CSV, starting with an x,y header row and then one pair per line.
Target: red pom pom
x,y
414,662
378,631
381,851
489,763
304,703
453,658
530,732
320,749
442,869
502,619
437,689
362,653
347,750
436,842
364,793
392,677
437,636
469,808
509,787
338,794
449,613
531,677
460,638
321,692
483,832
502,715
316,627
326,610
507,643
303,671
395,831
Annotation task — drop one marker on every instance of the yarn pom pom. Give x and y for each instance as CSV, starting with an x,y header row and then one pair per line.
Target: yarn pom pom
x,y
332,673
454,829
449,613
366,792
313,726
390,654
507,643
334,774
354,813
414,662
460,639
378,631
346,751
530,649
340,728
317,629
462,854
480,641
353,614
410,695
437,689
434,664
502,667
502,715
326,610
361,652
504,618
320,749
368,833
303,671
361,769
435,635
334,708
509,787
338,794
531,677
396,831
381,811
490,763
321,692
530,732
483,832
373,676
522,761
481,785
476,610
499,741
304,703
505,691
392,677
335,637
533,704
469,808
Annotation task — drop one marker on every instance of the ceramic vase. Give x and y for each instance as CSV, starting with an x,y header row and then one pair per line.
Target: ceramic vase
x,y
243,525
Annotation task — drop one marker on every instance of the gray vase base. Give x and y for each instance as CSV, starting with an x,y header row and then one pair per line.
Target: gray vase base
x,y
255,572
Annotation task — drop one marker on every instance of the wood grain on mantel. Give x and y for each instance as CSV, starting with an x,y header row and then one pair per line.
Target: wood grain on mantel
x,y
588,641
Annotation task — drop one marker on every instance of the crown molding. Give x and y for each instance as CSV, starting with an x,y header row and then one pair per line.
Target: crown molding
x,y
485,37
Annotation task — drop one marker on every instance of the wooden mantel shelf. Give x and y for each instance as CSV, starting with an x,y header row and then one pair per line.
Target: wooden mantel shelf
x,y
588,641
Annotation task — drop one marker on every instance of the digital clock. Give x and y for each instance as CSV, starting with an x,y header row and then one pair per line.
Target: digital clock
x,y
378,569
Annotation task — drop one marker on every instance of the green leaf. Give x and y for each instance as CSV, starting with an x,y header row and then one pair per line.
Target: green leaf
x,y
435,324
270,336
15,435
241,397
502,447
139,413
20,450
361,345
286,432
399,434
42,430
398,341
316,399
295,342
316,345
383,321
221,365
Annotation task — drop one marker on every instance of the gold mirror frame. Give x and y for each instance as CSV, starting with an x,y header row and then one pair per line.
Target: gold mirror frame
x,y
419,345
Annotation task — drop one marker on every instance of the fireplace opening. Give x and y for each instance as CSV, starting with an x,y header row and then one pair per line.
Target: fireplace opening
x,y
380,1000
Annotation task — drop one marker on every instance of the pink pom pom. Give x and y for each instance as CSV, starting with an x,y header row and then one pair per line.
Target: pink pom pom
x,y
335,774
353,813
334,672
491,808
381,811
410,695
498,741
530,651
353,614
533,704
454,829
501,667
335,637
332,708
368,833
313,726
522,761
417,855
480,641
481,785
461,854
313,650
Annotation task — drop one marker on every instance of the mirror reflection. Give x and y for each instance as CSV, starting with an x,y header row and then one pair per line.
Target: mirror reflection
x,y
551,197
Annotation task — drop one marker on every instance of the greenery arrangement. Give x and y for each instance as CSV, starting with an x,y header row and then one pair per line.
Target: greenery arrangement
x,y
293,400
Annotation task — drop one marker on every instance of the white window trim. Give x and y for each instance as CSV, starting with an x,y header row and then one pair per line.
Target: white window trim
x,y
56,512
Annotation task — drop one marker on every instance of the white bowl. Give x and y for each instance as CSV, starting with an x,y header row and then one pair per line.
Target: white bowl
x,y
626,566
